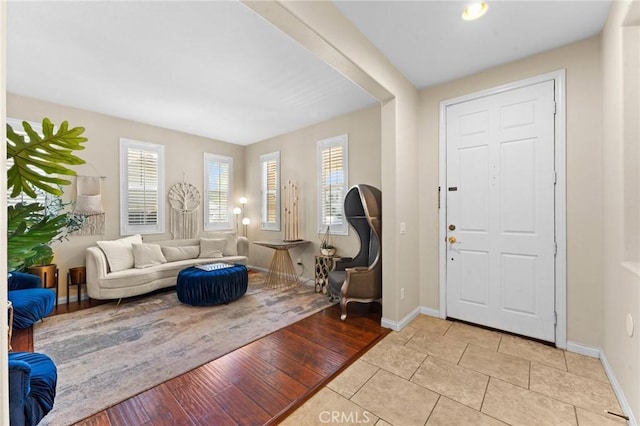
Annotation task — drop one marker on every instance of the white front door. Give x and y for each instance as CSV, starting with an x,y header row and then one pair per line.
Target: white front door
x,y
500,184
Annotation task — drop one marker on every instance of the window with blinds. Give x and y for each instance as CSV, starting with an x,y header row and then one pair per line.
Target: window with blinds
x,y
270,191
332,184
41,197
218,182
142,187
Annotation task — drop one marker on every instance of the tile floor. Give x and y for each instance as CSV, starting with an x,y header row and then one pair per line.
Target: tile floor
x,y
438,372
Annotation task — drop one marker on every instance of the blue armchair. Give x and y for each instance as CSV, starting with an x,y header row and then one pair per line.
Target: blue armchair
x,y
32,387
30,301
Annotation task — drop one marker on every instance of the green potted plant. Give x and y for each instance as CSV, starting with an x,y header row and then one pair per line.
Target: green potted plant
x,y
38,162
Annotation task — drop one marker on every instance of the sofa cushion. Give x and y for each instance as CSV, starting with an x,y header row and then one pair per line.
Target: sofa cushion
x,y
119,253
212,247
174,254
146,255
231,247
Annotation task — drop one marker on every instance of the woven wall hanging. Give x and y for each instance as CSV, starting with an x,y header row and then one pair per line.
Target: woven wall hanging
x,y
89,205
184,199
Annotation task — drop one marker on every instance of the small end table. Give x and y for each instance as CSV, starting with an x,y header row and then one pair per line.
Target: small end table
x,y
324,264
76,276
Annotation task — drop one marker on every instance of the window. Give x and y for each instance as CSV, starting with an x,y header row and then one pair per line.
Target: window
x,y
42,197
332,184
141,188
217,197
270,191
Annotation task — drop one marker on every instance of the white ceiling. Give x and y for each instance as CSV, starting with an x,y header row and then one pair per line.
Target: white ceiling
x,y
218,70
430,43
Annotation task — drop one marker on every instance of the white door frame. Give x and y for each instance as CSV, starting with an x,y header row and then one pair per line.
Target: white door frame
x,y
560,193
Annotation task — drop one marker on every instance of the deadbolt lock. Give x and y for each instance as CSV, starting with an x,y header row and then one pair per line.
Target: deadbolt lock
x,y
452,227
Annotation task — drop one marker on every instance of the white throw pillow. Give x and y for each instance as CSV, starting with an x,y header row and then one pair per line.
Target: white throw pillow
x,y
231,247
212,247
146,255
173,254
119,252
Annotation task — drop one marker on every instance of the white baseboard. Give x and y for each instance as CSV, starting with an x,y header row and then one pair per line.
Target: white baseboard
x,y
430,311
63,300
399,325
301,278
624,404
257,268
581,349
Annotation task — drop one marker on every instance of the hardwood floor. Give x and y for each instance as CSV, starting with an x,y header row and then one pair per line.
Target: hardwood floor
x,y
260,383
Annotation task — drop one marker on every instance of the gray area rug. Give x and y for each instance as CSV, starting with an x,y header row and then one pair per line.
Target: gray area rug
x,y
105,356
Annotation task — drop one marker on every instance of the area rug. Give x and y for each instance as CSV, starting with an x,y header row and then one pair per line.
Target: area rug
x,y
105,356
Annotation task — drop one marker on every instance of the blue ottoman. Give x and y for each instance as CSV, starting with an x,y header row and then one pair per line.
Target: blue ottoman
x,y
204,288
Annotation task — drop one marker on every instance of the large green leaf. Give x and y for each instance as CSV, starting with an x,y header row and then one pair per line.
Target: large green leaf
x,y
29,233
38,162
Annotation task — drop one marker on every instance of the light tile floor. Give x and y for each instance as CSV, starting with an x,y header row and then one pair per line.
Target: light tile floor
x,y
438,372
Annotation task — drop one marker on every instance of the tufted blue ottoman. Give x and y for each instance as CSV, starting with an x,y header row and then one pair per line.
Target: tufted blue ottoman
x,y
203,288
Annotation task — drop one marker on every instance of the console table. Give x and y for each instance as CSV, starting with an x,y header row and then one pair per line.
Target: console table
x,y
281,272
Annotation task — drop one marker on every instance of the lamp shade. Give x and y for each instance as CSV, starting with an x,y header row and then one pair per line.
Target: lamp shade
x,y
246,221
237,210
243,200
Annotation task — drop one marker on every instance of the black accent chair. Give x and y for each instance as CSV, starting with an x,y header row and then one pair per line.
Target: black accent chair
x,y
359,279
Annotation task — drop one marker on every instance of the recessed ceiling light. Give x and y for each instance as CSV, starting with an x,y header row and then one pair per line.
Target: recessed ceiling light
x,y
474,11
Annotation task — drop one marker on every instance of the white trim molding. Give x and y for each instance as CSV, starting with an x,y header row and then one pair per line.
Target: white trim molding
x,y
559,78
617,389
594,352
399,325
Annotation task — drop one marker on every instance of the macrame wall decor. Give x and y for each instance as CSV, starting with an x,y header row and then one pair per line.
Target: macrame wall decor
x,y
184,199
89,205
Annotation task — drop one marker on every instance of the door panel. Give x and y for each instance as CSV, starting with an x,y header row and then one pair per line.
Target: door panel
x,y
500,198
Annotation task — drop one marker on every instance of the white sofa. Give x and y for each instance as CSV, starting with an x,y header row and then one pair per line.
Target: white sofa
x,y
103,283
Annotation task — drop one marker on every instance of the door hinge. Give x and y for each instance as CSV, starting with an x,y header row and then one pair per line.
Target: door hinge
x,y
555,108
555,248
439,194
555,177
555,318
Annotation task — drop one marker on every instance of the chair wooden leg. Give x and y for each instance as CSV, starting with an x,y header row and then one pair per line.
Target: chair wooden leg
x,y
343,307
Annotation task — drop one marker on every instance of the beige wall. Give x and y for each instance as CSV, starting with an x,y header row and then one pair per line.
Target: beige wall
x,y
399,145
298,164
584,177
621,295
183,154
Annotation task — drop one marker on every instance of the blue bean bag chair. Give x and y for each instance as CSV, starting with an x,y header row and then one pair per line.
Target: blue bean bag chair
x,y
32,387
30,301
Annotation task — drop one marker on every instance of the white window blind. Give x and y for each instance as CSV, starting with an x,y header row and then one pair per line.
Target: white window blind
x,y
142,187
218,184
332,184
270,191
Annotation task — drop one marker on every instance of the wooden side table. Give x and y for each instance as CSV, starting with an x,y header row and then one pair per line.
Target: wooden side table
x,y
76,276
324,264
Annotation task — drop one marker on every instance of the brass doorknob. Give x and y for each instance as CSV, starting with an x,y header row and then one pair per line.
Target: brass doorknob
x,y
452,240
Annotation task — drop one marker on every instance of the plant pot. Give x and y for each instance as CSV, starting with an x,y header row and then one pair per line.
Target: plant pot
x,y
328,251
78,275
47,273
